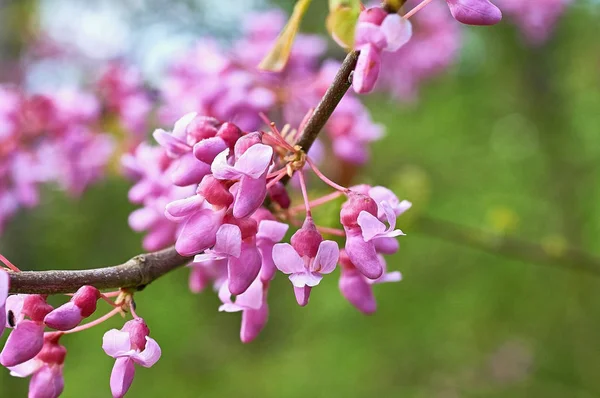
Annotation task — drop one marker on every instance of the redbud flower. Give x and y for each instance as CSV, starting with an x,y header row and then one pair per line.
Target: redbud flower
x,y
357,289
269,233
243,257
363,228
306,259
130,345
376,31
253,305
4,285
47,369
250,168
27,337
475,12
69,315
203,273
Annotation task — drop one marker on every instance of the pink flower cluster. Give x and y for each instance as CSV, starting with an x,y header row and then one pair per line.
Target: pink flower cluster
x,y
32,351
236,241
121,89
536,19
48,138
228,86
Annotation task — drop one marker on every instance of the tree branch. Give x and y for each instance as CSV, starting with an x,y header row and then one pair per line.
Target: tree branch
x,y
145,268
135,273
566,258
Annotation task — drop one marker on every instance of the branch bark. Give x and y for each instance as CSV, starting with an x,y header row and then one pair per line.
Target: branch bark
x,y
145,268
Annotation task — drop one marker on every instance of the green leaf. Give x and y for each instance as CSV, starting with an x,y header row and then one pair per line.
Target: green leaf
x,y
277,58
341,23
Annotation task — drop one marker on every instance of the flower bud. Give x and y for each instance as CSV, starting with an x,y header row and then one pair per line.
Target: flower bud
x,y
280,195
374,15
307,239
201,127
138,331
69,315
229,133
353,206
215,192
36,307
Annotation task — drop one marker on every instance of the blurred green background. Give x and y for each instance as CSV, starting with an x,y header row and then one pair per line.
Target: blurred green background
x,y
507,142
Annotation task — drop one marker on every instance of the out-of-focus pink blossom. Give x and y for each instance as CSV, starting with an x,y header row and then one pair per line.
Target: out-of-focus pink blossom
x,y
536,19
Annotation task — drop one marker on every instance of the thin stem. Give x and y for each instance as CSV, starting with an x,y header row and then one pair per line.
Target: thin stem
x,y
324,178
304,192
319,201
98,321
275,180
331,231
416,9
132,309
9,264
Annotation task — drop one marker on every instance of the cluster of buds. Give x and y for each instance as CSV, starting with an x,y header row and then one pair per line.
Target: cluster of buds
x,y
31,350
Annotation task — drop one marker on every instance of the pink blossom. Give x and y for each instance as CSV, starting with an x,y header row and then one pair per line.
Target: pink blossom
x,y
27,338
129,346
376,31
46,369
306,260
252,303
269,233
243,258
357,289
536,19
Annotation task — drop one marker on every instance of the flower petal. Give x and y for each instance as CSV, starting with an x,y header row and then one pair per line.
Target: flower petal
x,y
182,208
255,161
301,279
397,31
174,146
26,368
121,377
253,321
189,170
370,225
47,382
229,240
253,296
221,168
286,259
150,355
367,69
242,271
24,343
199,232
357,291
180,127
272,230
363,255
250,195
208,149
326,258
116,343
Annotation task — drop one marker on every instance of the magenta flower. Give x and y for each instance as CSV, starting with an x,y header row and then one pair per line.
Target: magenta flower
x,y
69,315
27,338
357,289
250,169
306,260
4,286
253,305
46,369
203,273
376,31
243,257
269,233
475,12
129,346
363,229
